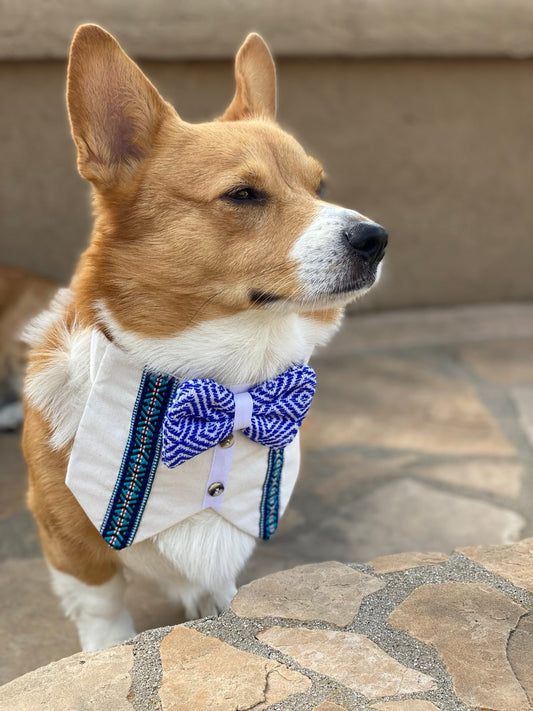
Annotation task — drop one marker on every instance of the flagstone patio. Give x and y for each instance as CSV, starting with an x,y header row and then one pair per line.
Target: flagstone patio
x,y
420,439
402,633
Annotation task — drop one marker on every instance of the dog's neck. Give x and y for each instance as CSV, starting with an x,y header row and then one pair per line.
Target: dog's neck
x,y
246,348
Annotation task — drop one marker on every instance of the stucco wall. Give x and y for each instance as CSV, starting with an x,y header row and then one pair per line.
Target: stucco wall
x,y
438,150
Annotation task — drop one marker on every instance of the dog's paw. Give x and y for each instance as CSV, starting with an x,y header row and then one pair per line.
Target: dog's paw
x,y
198,604
99,632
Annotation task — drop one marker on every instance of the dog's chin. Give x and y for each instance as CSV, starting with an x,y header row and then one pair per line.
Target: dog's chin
x,y
337,299
347,290
341,295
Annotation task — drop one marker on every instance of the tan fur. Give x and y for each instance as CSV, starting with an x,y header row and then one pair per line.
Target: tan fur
x,y
216,273
324,315
70,541
255,79
166,252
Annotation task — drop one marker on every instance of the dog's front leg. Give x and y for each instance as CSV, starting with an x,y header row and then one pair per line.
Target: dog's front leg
x,y
97,610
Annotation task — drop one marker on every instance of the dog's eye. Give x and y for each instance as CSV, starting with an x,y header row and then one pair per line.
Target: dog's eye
x,y
321,190
245,193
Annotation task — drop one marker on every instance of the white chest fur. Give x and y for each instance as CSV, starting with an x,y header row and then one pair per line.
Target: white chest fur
x,y
246,348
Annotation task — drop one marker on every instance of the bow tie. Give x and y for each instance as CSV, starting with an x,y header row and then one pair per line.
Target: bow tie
x,y
202,413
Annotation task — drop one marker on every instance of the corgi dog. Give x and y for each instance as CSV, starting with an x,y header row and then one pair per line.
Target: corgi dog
x,y
214,258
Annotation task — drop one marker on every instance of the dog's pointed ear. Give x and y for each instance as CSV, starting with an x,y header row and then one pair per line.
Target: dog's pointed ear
x,y
255,78
115,112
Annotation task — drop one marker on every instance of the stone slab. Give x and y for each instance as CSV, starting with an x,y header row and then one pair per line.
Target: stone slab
x,y
33,628
349,658
468,624
513,562
406,705
328,706
413,328
497,476
402,404
523,398
348,468
91,681
185,30
520,654
404,561
507,362
19,537
329,592
406,515
201,673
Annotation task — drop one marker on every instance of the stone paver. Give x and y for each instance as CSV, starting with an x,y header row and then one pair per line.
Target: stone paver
x,y
92,681
202,673
482,637
405,404
469,625
514,562
28,605
410,705
330,592
25,596
404,561
349,468
501,362
410,329
523,398
520,654
351,659
406,515
500,477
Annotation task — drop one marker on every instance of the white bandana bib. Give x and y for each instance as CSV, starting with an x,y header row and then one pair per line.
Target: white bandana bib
x,y
129,494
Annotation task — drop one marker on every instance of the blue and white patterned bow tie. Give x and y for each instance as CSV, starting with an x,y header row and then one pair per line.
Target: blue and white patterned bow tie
x,y
202,414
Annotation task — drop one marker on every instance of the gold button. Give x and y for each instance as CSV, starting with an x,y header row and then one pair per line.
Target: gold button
x,y
216,489
228,441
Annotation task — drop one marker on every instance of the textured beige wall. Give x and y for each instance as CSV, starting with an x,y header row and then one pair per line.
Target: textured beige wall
x,y
439,151
201,29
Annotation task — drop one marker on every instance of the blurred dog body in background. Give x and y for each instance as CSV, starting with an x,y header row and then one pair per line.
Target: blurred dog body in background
x,y
22,296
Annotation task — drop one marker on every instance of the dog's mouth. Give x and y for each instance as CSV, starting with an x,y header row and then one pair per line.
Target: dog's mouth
x,y
263,298
344,292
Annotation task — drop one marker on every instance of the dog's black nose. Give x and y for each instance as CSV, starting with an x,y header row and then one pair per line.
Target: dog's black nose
x,y
368,240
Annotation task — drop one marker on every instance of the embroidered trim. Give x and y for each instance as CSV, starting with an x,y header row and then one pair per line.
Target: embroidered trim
x,y
140,460
269,512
